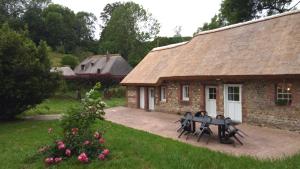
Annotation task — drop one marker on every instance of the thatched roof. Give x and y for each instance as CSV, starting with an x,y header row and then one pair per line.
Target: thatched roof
x,y
269,46
112,64
65,71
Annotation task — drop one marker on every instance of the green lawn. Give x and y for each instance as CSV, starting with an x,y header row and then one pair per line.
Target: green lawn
x,y
58,105
130,149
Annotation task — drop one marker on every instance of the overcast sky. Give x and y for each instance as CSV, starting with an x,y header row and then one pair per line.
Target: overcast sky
x,y
190,14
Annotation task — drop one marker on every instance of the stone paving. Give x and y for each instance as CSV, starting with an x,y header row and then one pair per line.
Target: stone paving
x,y
261,142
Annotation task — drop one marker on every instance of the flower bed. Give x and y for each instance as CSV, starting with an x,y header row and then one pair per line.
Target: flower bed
x,y
78,139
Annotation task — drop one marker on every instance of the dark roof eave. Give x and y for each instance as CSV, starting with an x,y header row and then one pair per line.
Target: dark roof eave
x,y
217,77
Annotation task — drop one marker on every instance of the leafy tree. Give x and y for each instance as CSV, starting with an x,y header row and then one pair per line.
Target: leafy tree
x,y
85,29
10,12
235,11
24,73
60,23
33,19
215,22
126,26
70,60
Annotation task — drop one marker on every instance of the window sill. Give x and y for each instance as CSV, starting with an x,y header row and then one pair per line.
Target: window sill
x,y
185,102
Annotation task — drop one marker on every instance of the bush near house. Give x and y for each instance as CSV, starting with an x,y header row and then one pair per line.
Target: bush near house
x,y
24,73
69,60
78,138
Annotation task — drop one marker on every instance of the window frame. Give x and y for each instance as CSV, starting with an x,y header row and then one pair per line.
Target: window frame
x,y
185,94
286,94
163,96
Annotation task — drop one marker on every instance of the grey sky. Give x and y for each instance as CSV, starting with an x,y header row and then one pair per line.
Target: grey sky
x,y
190,14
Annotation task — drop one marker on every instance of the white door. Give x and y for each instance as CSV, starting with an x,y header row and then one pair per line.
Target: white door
x,y
233,101
151,98
142,97
210,100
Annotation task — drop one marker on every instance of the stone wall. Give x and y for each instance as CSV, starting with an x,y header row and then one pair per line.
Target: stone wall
x,y
132,97
258,101
173,102
259,105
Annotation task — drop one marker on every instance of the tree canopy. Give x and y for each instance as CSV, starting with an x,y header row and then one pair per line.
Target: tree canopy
x,y
125,29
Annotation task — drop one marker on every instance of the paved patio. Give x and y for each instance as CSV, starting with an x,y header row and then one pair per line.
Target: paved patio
x,y
261,142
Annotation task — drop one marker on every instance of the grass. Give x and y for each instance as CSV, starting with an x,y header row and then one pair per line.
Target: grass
x,y
54,105
55,58
130,149
59,105
113,102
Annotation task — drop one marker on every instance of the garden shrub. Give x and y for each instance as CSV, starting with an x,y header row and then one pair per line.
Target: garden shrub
x,y
70,60
78,137
116,92
25,78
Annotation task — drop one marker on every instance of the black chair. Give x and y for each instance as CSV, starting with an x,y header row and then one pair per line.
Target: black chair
x,y
220,116
232,131
186,124
200,113
204,128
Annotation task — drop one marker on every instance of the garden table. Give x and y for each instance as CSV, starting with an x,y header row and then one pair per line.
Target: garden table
x,y
221,123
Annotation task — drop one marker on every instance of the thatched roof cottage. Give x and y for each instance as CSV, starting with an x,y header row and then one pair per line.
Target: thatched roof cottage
x,y
248,71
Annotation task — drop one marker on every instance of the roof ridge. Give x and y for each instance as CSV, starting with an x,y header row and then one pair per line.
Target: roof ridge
x,y
173,45
248,22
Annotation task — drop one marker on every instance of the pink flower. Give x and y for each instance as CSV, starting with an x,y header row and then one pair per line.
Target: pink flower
x,y
105,152
97,135
49,160
86,142
101,140
50,130
61,145
83,158
57,160
68,152
101,157
74,131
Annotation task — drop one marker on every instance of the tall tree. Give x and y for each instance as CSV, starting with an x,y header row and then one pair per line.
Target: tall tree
x,y
126,26
33,19
24,73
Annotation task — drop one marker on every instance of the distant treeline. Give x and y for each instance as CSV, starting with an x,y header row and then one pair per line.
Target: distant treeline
x,y
127,28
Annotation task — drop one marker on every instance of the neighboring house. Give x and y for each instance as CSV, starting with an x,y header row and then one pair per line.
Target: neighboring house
x,y
103,66
66,71
248,71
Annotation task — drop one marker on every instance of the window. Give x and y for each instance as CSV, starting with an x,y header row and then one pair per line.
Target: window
x,y
163,94
92,64
185,93
98,71
284,95
212,93
82,67
233,93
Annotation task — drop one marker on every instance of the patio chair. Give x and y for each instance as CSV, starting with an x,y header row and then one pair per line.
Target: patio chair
x,y
232,131
200,113
204,129
186,125
187,116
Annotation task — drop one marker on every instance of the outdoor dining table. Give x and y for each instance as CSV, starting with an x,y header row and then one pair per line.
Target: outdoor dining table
x,y
221,123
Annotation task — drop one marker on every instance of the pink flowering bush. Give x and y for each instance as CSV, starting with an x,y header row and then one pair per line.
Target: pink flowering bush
x,y
78,139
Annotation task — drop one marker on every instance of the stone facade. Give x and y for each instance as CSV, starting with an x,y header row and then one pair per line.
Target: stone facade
x,y
258,101
260,105
132,96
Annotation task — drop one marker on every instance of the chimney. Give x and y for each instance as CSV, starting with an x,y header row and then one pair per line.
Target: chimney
x,y
107,56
